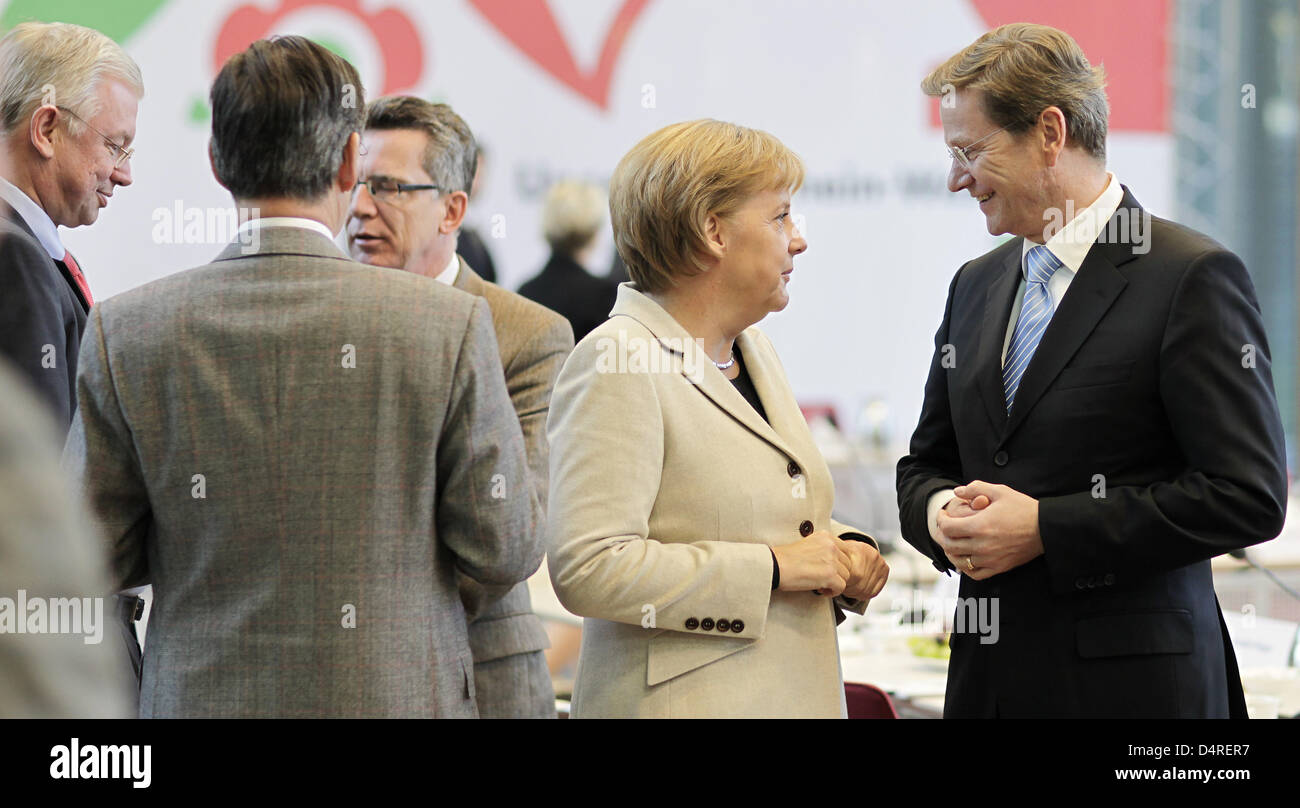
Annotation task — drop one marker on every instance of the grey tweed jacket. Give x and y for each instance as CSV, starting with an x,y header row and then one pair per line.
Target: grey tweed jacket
x,y
299,452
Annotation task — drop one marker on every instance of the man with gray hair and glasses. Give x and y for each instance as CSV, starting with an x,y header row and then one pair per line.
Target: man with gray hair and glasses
x,y
406,212
299,452
68,101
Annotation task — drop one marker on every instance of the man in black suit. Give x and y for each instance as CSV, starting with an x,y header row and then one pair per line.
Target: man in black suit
x,y
1099,419
68,103
67,118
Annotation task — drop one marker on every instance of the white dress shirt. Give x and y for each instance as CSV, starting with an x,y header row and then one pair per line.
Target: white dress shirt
x,y
1070,245
285,221
449,273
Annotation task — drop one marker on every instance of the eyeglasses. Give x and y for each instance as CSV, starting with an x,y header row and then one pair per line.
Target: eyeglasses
x,y
386,190
959,153
123,153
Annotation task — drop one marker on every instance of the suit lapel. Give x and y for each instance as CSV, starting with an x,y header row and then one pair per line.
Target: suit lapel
x,y
467,280
7,211
72,284
998,303
787,422
699,370
1093,290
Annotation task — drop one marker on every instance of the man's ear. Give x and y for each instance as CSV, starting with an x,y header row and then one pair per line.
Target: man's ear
x,y
715,239
350,168
457,207
212,163
41,129
1054,131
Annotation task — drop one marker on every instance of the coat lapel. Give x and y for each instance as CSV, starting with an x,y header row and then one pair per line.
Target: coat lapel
x,y
699,370
998,303
467,280
1093,290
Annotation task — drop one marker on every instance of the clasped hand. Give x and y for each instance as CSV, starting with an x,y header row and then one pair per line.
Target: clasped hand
x,y
829,565
989,529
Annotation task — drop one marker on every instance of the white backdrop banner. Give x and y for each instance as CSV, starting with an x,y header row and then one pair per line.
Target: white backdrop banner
x,y
562,88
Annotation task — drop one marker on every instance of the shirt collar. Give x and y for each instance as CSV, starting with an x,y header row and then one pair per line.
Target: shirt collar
x,y
1071,243
286,221
448,274
47,233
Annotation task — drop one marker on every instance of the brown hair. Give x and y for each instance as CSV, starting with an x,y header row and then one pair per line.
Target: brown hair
x,y
282,112
1022,69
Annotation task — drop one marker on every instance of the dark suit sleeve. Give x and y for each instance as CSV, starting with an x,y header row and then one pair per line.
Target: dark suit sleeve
x,y
487,512
1217,390
31,317
101,456
932,462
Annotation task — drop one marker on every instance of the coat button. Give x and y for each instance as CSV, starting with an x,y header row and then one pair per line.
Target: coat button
x,y
707,624
737,626
1000,459
692,624
724,624
1109,580
1079,583
792,469
805,528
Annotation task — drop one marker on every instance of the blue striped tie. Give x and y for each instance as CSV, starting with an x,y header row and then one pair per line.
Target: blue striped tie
x,y
1035,313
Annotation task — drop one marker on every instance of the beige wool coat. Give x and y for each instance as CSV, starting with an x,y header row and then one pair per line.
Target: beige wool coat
x,y
667,490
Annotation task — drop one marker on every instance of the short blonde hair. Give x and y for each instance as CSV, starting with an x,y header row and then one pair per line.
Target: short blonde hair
x,y
59,63
664,189
1022,69
572,214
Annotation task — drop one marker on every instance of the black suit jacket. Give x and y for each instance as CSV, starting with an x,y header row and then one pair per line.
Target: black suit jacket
x,y
39,306
564,286
1147,428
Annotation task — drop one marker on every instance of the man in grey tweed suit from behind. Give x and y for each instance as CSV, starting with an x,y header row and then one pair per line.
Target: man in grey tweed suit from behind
x,y
298,451
419,145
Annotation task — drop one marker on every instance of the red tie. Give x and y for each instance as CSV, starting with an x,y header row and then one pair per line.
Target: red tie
x,y
78,278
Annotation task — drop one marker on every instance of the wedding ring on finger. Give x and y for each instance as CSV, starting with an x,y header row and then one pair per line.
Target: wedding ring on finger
x,y
970,565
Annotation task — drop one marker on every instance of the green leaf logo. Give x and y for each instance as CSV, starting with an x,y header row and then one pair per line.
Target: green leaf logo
x,y
117,20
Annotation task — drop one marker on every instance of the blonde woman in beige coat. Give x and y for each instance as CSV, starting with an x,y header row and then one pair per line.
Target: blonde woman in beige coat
x,y
690,511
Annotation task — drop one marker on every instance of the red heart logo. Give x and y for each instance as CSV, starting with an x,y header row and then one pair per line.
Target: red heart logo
x,y
530,25
392,29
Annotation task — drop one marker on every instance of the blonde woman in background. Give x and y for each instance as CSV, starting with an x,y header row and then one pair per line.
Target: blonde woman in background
x,y
573,214
690,511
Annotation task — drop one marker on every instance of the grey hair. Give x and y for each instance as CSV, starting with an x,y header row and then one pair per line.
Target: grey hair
x,y
61,64
451,158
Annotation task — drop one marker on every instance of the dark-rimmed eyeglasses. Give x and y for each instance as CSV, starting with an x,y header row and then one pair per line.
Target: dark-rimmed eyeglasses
x,y
386,190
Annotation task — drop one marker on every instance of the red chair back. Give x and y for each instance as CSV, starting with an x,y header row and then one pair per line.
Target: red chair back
x,y
868,701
